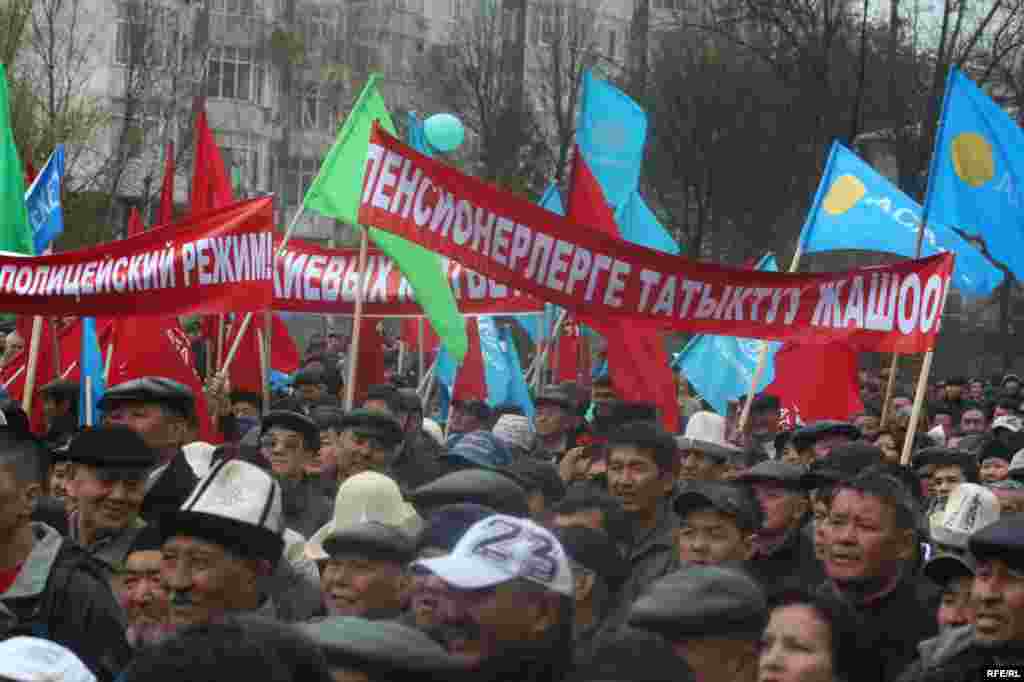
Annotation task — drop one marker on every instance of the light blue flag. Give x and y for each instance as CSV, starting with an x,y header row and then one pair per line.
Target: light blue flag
x,y
92,384
858,208
42,200
638,224
611,133
416,137
505,381
722,367
976,180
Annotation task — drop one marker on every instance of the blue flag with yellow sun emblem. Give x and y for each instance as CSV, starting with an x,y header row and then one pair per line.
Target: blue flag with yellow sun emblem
x,y
976,182
857,208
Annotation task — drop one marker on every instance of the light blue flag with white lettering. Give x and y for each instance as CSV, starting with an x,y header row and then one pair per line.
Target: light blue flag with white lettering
x,y
722,367
91,382
506,383
858,208
976,181
42,200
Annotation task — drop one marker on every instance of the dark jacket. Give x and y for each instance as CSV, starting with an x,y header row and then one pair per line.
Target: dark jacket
x,y
652,555
792,562
897,622
418,462
110,549
954,656
60,594
306,508
168,488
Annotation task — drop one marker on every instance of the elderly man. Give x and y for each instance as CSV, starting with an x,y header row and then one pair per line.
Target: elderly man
x,y
142,594
554,422
364,574
704,455
819,439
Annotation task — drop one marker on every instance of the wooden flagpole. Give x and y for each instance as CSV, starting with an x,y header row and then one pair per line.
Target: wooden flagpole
x,y
33,361
357,319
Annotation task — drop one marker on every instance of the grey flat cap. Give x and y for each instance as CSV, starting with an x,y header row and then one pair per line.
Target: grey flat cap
x,y
372,539
477,486
151,389
702,601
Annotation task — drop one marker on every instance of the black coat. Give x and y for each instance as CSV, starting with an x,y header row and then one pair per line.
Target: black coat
x,y
418,464
791,563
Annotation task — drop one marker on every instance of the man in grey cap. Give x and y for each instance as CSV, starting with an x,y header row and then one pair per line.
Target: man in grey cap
x,y
369,442
554,423
110,465
712,615
365,573
158,409
717,523
476,486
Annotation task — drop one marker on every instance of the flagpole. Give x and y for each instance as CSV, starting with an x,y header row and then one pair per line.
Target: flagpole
x,y
357,320
56,346
266,348
401,356
541,361
106,365
261,340
220,342
33,360
419,343
88,400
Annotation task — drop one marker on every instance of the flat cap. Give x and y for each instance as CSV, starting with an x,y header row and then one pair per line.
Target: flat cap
x,y
293,421
556,395
595,551
112,447
479,448
151,389
808,435
775,471
446,525
946,567
702,601
374,424
61,387
380,646
1002,540
845,461
727,498
485,487
371,539
539,475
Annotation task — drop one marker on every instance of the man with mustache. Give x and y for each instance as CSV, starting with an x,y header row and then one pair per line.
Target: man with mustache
x,y
110,465
141,593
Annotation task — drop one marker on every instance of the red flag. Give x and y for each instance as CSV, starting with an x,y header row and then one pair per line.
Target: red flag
x,y
246,369
157,346
567,353
135,224
411,337
370,369
15,373
637,360
30,172
211,186
165,215
470,379
816,382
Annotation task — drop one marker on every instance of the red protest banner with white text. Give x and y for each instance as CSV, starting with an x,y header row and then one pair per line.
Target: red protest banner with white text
x,y
313,279
220,261
513,241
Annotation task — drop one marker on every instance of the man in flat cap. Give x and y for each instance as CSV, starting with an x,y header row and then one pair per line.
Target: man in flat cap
x,y
369,442
712,615
109,469
717,523
418,458
158,409
364,574
60,410
554,422
476,486
292,440
381,651
818,439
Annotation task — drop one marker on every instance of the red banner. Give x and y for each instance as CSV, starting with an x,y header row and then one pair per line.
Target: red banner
x,y
513,241
312,279
221,261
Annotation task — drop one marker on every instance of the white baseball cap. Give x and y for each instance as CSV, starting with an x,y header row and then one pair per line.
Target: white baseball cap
x,y
30,659
501,548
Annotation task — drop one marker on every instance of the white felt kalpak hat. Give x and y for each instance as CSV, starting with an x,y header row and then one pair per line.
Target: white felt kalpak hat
x,y
367,496
970,508
30,659
236,505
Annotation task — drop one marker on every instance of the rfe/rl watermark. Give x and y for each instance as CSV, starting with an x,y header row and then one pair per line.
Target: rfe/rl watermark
x,y
1014,673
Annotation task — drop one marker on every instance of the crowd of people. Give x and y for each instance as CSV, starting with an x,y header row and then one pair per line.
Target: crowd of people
x,y
586,544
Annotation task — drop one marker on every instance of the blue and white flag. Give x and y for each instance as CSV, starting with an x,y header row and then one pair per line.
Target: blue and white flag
x,y
92,383
42,200
506,383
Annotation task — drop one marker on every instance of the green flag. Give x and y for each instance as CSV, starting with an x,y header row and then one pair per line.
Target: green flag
x,y
15,231
336,192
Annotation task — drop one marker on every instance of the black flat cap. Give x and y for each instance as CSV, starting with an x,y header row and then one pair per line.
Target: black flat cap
x,y
63,388
371,539
539,475
327,417
782,439
374,424
595,551
557,395
775,471
702,601
151,389
845,461
293,421
251,397
112,447
808,435
149,539
484,487
727,498
379,646
947,567
1002,540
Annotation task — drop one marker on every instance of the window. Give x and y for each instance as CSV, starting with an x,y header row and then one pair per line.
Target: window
x,y
240,152
315,112
237,15
145,34
510,26
409,5
676,5
231,74
296,177
321,24
545,24
456,8
612,37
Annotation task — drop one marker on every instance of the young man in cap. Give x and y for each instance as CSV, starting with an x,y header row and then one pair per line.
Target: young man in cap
x,y
717,522
110,466
954,575
369,442
510,597
159,410
364,574
292,439
642,469
141,592
781,551
49,587
554,423
310,387
60,410
817,440
712,615
221,546
871,539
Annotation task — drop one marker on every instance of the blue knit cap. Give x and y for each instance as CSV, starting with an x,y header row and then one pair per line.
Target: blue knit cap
x,y
446,526
481,449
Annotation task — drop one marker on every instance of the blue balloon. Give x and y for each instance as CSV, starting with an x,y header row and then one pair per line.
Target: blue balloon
x,y
444,132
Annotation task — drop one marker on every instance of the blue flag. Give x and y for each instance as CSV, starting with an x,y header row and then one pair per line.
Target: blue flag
x,y
722,367
858,208
92,383
976,180
638,224
415,135
43,202
505,381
